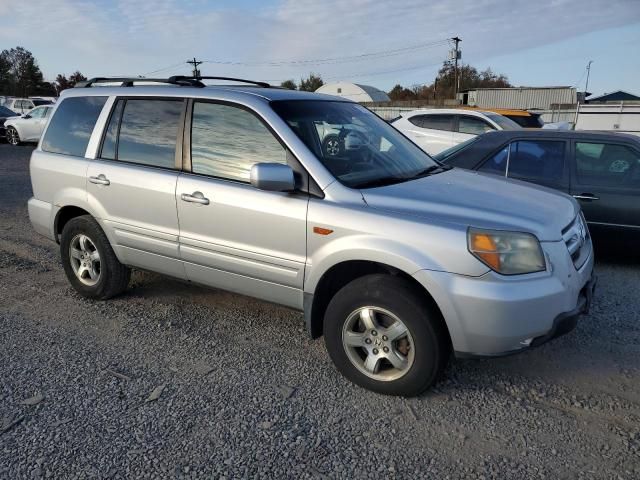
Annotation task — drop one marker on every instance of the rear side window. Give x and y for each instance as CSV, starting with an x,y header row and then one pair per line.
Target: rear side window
x,y
435,122
497,163
606,164
227,141
71,126
473,126
147,133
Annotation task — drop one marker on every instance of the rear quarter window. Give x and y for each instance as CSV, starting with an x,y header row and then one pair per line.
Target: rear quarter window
x,y
72,124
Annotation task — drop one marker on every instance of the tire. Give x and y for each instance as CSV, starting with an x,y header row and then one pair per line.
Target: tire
x,y
12,136
85,249
332,146
422,353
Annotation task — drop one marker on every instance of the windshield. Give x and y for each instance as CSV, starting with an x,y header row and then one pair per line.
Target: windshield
x,y
504,122
5,112
360,149
445,154
41,102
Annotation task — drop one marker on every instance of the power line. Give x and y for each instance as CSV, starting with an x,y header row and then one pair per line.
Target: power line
x,y
164,68
334,60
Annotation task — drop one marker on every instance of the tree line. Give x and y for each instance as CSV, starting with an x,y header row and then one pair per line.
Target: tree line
x,y
20,76
443,87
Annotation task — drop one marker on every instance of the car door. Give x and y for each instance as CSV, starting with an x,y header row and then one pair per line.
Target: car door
x,y
131,185
32,124
433,132
606,181
467,127
232,235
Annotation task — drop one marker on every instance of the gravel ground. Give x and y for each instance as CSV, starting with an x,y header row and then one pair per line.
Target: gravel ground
x,y
175,381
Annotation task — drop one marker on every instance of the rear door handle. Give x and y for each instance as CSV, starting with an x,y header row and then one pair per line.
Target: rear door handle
x,y
195,197
586,196
99,180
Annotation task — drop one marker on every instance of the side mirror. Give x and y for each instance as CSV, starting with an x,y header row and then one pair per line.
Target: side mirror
x,y
274,177
26,115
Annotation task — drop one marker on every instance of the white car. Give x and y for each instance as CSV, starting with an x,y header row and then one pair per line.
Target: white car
x,y
435,130
27,127
25,105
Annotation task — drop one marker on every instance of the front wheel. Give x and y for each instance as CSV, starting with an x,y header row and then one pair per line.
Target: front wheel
x,y
383,335
13,137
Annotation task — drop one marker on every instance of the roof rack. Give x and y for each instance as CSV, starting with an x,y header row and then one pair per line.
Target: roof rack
x,y
179,80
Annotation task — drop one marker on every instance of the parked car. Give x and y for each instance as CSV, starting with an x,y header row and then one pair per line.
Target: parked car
x,y
601,170
396,259
435,130
27,127
25,105
5,114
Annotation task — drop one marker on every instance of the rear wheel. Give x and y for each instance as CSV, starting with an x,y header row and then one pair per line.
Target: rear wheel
x,y
383,335
89,262
12,136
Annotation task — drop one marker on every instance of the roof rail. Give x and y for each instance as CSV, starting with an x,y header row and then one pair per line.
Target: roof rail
x,y
180,80
129,81
177,78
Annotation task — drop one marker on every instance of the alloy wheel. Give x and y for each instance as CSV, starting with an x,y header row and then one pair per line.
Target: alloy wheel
x,y
85,259
378,343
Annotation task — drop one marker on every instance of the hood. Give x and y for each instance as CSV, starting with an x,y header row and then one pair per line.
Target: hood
x,y
479,200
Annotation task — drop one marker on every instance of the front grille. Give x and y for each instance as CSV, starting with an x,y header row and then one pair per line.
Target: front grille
x,y
578,240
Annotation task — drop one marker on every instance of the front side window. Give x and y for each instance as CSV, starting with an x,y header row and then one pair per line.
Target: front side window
x,y
37,113
540,159
148,132
71,127
606,164
497,163
472,125
226,141
360,149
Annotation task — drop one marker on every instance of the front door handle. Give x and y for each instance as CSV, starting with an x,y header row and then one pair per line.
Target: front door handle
x,y
586,196
99,180
195,197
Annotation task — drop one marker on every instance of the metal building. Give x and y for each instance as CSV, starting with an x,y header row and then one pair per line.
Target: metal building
x,y
353,91
519,97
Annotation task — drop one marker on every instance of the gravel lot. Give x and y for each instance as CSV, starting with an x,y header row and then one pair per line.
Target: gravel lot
x,y
241,391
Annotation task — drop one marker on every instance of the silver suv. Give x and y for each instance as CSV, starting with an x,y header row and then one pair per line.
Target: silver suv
x,y
396,259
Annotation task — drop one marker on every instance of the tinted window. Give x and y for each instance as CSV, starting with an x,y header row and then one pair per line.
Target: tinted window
x,y
110,139
539,159
226,141
527,121
71,126
41,102
148,132
5,112
503,122
606,164
497,163
472,125
436,122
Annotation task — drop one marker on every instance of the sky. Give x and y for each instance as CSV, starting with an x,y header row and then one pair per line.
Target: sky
x,y
374,42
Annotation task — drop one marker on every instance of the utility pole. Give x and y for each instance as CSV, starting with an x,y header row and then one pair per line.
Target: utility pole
x,y
587,85
195,63
456,56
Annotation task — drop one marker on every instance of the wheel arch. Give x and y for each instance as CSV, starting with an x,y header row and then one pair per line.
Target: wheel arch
x,y
63,216
340,274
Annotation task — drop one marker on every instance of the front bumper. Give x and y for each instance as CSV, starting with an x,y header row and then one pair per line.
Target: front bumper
x,y
494,315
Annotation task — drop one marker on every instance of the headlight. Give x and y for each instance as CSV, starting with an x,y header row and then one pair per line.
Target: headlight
x,y
509,253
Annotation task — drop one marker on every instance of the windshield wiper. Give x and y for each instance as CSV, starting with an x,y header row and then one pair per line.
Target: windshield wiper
x,y
432,170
